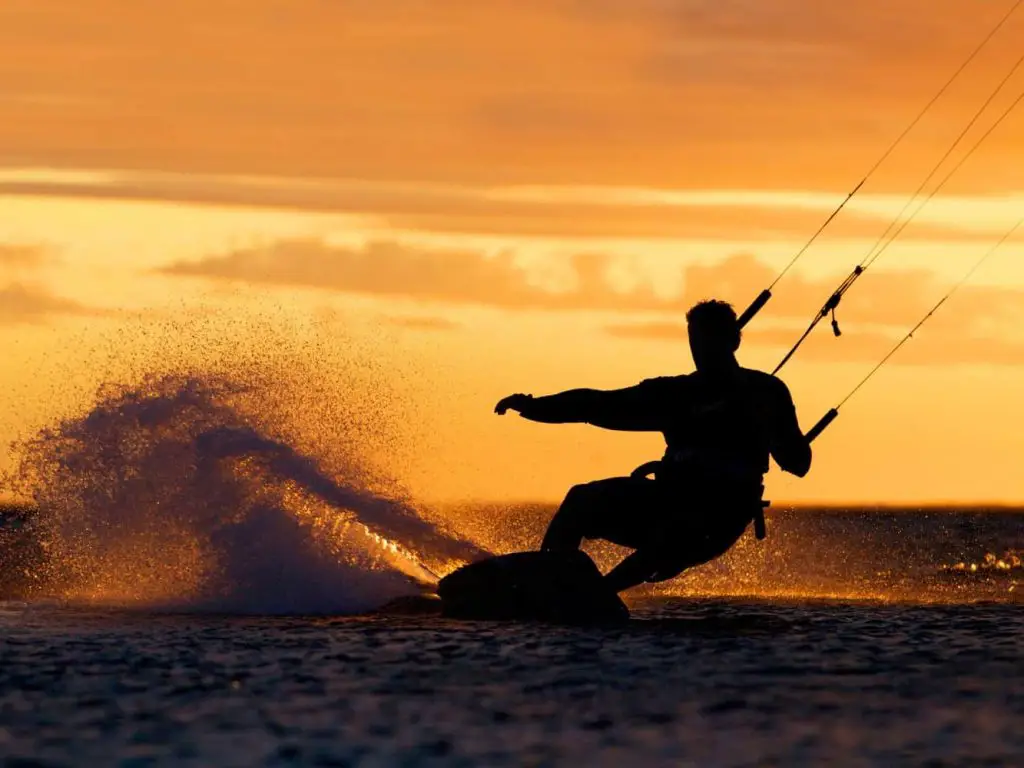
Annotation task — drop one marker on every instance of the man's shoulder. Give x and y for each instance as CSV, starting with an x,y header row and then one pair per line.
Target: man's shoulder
x,y
663,387
754,375
666,382
764,382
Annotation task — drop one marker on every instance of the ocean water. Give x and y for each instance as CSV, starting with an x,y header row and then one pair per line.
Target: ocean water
x,y
689,681
192,587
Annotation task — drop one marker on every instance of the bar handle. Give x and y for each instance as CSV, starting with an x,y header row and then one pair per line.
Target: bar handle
x,y
754,308
822,425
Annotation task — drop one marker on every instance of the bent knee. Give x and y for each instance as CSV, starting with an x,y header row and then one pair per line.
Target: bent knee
x,y
582,493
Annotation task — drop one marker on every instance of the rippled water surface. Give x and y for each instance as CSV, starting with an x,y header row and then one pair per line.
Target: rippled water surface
x,y
712,682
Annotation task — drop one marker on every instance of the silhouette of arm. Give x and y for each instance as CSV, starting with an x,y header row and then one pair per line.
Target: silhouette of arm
x,y
789,447
633,409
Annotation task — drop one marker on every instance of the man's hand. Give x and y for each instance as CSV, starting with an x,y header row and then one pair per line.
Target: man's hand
x,y
513,402
644,470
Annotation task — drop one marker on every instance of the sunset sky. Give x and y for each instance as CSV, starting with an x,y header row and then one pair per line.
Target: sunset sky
x,y
491,197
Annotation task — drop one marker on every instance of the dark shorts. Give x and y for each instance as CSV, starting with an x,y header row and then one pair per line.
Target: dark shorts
x,y
652,515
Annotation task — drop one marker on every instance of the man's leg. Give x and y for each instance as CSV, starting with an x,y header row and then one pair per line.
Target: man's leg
x,y
616,509
568,527
678,548
636,569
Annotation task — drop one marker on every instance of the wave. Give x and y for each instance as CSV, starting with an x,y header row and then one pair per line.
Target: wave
x,y
170,495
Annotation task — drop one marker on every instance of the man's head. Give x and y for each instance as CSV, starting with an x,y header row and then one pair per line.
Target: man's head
x,y
714,334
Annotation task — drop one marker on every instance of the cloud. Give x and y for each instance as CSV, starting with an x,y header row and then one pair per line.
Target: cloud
x,y
701,93
422,323
930,347
392,270
21,303
888,297
560,210
389,269
20,256
660,331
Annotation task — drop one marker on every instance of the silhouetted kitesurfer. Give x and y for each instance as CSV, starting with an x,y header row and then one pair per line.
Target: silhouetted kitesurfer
x,y
721,423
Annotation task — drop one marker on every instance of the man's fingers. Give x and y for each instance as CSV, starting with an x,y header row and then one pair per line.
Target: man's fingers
x,y
513,402
503,405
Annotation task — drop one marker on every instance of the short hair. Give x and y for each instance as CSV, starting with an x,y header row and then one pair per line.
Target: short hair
x,y
716,317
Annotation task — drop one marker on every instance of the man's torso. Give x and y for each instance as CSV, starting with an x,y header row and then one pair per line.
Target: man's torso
x,y
717,430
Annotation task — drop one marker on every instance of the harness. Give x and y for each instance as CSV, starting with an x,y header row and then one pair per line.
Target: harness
x,y
668,466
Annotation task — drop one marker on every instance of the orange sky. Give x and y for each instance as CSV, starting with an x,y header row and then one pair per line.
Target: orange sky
x,y
504,196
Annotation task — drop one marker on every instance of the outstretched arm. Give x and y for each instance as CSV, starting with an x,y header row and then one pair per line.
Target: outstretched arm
x,y
790,449
630,409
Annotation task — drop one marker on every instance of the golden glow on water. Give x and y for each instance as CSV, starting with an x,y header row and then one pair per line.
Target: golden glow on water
x,y
138,572
822,557
340,530
1009,562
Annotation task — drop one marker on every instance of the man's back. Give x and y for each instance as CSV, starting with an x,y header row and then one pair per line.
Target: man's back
x,y
726,424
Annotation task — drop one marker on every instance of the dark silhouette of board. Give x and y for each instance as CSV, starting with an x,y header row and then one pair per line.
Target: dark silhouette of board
x,y
531,586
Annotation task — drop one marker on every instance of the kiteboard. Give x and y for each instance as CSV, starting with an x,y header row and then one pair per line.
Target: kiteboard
x,y
531,586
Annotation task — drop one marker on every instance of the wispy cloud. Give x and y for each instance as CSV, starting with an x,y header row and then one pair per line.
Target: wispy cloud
x,y
391,269
20,256
930,347
553,209
25,304
656,331
882,296
793,93
421,322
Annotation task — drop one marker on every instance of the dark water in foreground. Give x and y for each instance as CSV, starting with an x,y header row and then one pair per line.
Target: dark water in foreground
x,y
702,682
